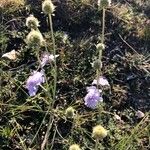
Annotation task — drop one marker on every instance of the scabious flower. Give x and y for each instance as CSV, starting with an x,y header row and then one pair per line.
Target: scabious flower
x,y
93,97
139,114
32,22
101,81
99,132
35,38
74,147
48,7
33,82
46,58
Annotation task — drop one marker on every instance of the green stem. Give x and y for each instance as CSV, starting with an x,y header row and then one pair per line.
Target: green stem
x,y
54,53
99,72
51,119
103,35
96,144
38,57
103,26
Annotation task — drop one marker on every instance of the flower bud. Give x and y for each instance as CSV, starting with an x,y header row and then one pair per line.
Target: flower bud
x,y
99,132
100,46
69,112
35,38
104,3
48,7
74,147
32,22
97,64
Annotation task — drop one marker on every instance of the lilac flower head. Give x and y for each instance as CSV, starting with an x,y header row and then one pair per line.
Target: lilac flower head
x,y
93,97
46,58
101,81
33,82
139,114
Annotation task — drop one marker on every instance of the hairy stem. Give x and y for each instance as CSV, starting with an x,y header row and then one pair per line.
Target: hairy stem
x,y
99,72
55,82
54,53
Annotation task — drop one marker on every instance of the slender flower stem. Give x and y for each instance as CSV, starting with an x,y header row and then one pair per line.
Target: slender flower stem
x,y
96,144
54,53
103,34
99,72
51,119
103,26
38,57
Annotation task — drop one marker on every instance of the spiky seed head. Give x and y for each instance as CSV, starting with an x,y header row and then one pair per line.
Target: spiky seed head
x,y
104,3
70,112
74,147
48,7
99,132
100,46
35,38
32,22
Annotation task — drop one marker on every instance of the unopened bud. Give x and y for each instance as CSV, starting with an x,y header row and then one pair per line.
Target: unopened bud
x,y
97,64
35,38
104,3
48,7
100,46
74,147
70,112
32,22
99,132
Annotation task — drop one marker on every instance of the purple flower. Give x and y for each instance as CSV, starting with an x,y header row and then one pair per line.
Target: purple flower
x,y
46,58
33,82
101,81
93,97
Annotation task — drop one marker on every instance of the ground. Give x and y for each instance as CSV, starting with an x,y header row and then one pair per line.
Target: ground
x,y
25,120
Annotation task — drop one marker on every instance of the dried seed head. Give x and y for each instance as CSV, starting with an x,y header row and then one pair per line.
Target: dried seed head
x,y
48,7
74,147
70,112
100,46
99,132
104,3
35,38
32,22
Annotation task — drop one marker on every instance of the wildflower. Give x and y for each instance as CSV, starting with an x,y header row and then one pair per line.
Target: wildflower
x,y
70,112
93,97
74,147
99,132
48,7
47,58
101,81
104,3
35,38
139,114
33,82
32,22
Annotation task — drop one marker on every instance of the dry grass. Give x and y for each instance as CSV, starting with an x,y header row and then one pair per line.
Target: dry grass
x,y
11,4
